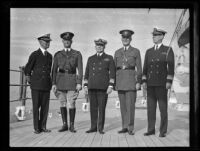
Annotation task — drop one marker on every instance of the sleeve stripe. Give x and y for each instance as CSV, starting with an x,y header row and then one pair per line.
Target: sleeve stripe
x,y
144,77
170,77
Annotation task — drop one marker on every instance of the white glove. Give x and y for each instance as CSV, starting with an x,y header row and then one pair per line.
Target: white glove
x,y
109,90
86,89
54,88
78,87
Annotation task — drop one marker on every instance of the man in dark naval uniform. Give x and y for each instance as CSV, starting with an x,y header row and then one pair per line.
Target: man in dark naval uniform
x,y
37,71
67,74
158,73
99,81
128,80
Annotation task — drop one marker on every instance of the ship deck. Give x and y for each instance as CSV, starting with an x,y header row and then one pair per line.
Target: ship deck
x,y
21,133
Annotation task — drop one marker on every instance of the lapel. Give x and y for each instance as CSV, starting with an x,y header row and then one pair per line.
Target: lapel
x,y
63,52
40,52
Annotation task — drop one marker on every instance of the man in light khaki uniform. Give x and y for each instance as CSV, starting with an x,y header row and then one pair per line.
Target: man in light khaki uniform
x,y
128,78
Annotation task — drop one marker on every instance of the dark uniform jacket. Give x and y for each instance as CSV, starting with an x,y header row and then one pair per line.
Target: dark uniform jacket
x,y
67,69
39,69
127,79
100,71
158,66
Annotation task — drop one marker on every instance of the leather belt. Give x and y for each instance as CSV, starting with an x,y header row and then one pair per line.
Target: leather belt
x,y
66,71
126,68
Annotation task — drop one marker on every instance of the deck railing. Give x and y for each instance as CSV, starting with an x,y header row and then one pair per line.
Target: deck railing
x,y
22,85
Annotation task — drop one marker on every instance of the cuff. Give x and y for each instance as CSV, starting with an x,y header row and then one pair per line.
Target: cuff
x,y
85,83
144,78
111,83
170,78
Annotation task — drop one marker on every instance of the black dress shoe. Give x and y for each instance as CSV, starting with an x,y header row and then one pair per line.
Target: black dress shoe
x,y
101,132
64,128
131,133
162,135
124,130
46,130
149,133
91,131
37,131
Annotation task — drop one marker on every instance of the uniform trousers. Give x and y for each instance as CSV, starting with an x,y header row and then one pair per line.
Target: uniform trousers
x,y
157,94
40,100
127,107
98,101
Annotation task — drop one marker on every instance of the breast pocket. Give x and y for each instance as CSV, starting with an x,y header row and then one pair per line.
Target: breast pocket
x,y
119,61
73,61
131,59
61,61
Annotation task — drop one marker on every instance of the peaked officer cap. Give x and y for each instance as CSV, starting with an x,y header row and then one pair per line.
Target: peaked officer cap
x,y
67,35
126,33
157,31
45,37
100,42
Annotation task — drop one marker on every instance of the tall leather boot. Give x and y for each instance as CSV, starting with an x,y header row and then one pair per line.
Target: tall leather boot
x,y
72,117
63,111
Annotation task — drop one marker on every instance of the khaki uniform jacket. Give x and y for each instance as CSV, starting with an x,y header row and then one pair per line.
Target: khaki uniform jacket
x,y
71,61
127,79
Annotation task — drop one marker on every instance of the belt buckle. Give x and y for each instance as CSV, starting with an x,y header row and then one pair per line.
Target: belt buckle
x,y
123,67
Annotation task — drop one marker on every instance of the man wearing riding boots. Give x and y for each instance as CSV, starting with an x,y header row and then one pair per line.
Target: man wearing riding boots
x,y
37,72
99,81
128,79
158,73
67,73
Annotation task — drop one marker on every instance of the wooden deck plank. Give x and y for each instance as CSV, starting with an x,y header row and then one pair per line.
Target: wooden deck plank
x,y
105,140
156,141
41,137
81,139
148,141
97,140
139,140
166,141
179,139
51,139
122,141
114,140
131,142
24,140
63,140
70,142
88,141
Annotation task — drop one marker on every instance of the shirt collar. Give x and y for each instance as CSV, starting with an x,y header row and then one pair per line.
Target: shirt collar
x,y
127,47
42,49
69,49
100,53
158,45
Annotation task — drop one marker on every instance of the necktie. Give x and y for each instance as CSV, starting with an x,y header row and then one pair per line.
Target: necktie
x,y
125,48
45,53
67,51
156,47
